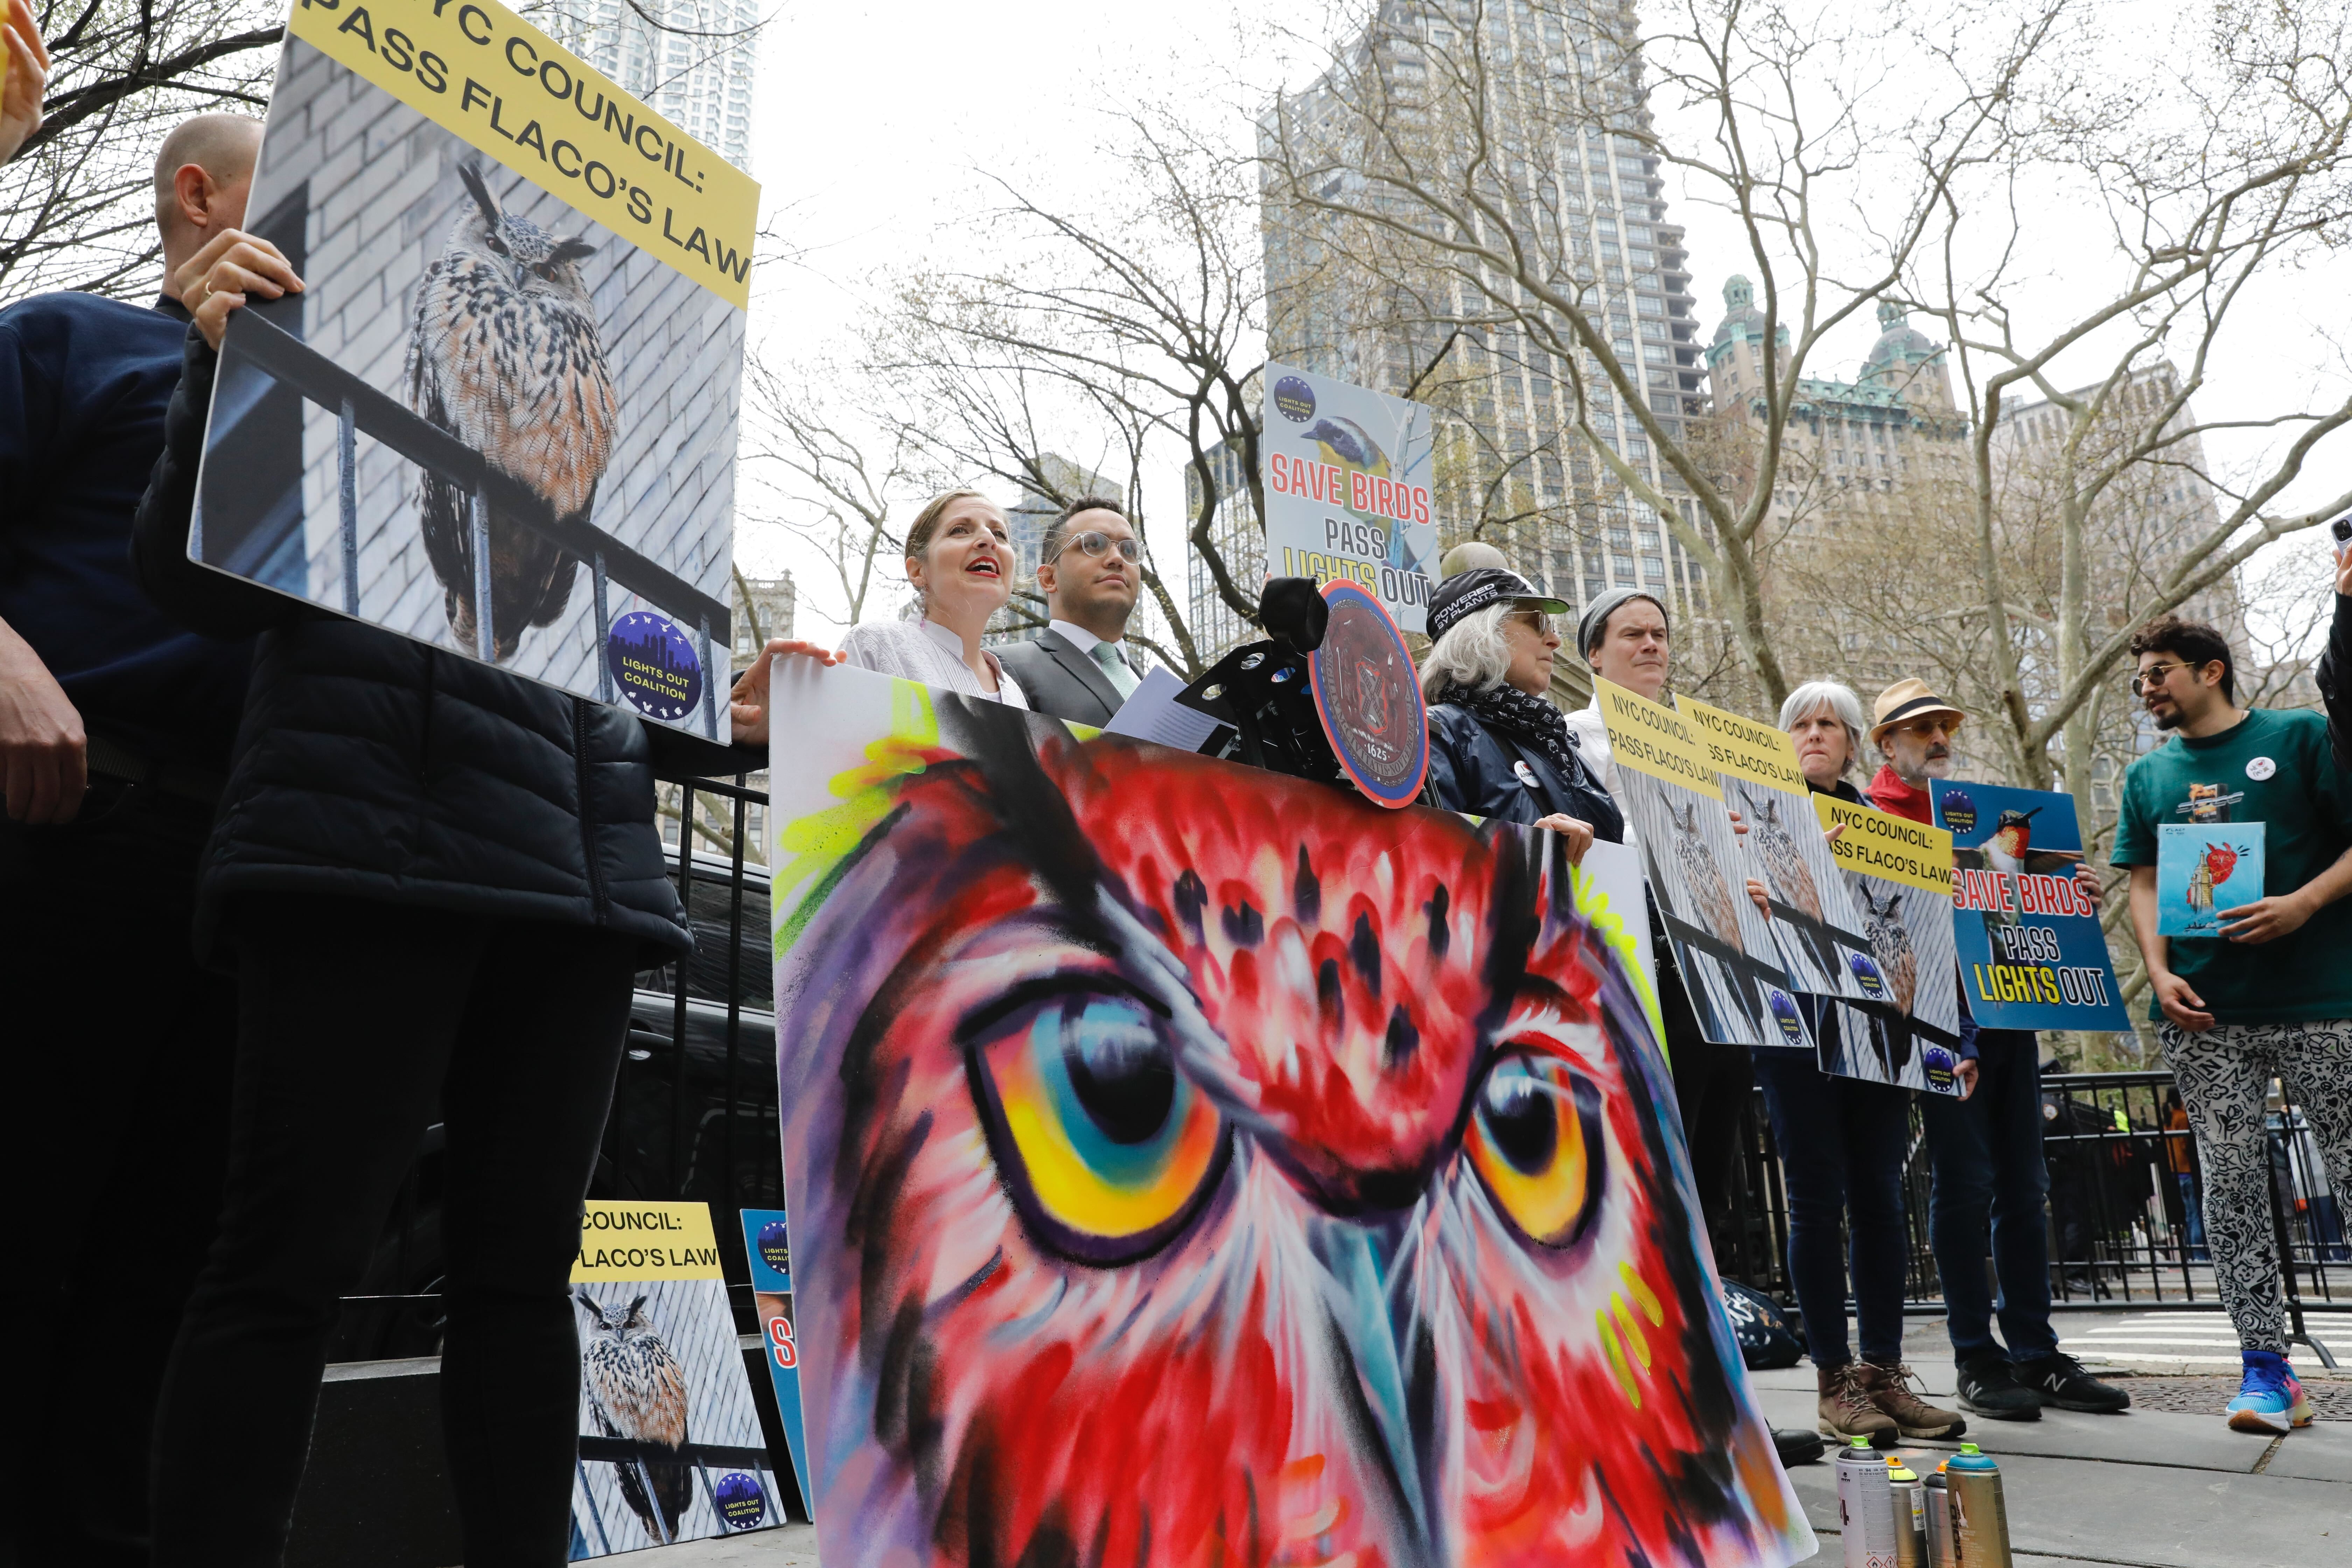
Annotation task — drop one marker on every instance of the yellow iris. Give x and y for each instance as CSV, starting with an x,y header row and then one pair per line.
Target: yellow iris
x,y
1527,1142
1106,1143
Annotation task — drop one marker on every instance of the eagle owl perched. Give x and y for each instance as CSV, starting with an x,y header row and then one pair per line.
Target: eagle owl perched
x,y
1192,1165
503,354
639,1391
1703,877
1890,940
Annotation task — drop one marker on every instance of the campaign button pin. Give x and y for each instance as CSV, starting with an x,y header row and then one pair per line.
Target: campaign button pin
x,y
1526,774
2260,768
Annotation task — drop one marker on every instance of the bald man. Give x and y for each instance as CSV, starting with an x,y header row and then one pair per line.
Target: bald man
x,y
114,728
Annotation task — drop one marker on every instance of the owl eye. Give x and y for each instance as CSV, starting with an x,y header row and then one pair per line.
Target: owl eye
x,y
1534,1139
1105,1146
497,245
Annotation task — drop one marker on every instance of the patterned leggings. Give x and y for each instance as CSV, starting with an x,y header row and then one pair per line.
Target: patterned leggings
x,y
2224,1076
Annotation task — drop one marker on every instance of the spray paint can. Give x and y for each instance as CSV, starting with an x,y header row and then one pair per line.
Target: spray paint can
x,y
1865,1507
1943,1551
1980,1517
1910,1514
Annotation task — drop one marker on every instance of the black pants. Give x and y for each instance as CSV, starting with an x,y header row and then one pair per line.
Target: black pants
x,y
1713,1083
118,1049
357,1018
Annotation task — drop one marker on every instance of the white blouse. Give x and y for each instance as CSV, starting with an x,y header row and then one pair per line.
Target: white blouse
x,y
921,651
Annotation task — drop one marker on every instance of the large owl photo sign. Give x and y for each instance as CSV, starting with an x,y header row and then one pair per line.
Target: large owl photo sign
x,y
500,417
1188,1163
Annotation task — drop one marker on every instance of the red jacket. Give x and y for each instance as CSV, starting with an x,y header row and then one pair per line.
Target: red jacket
x,y
1891,795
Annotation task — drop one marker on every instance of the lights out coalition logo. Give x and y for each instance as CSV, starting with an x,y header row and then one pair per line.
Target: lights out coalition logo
x,y
1295,398
653,664
1959,812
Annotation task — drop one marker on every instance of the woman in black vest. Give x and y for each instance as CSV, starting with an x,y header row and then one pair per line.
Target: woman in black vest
x,y
435,882
1498,746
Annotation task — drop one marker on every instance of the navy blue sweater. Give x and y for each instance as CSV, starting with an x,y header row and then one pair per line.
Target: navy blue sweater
x,y
84,382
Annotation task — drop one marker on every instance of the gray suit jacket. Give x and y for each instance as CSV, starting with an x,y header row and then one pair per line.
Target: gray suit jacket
x,y
1059,680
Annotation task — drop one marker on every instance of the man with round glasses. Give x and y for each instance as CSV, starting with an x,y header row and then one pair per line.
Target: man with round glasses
x,y
2271,994
1081,668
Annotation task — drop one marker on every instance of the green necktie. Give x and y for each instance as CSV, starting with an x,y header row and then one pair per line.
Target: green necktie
x,y
1106,655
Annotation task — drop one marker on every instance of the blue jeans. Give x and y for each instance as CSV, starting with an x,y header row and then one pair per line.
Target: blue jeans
x,y
1986,1151
1842,1142
2193,1213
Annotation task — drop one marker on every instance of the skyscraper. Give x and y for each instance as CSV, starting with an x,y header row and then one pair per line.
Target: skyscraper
x,y
1547,98
1239,542
691,59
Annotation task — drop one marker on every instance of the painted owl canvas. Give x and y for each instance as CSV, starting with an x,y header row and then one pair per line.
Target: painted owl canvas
x,y
1189,1165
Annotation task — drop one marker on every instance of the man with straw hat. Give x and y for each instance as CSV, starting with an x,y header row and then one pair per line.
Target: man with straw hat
x,y
1986,1148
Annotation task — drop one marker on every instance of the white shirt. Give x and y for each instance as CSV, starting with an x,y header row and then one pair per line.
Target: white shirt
x,y
924,651
1078,638
1591,733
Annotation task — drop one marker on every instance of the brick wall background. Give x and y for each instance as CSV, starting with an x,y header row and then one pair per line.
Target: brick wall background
x,y
384,194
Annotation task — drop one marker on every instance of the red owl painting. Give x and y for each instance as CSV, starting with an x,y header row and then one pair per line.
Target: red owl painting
x,y
1189,1166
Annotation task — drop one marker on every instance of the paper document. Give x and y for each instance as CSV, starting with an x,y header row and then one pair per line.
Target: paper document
x,y
1151,713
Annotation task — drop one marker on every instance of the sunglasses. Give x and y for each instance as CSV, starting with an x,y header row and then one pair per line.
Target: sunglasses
x,y
2155,675
1101,544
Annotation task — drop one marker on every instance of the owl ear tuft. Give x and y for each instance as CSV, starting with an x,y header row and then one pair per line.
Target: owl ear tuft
x,y
574,250
471,174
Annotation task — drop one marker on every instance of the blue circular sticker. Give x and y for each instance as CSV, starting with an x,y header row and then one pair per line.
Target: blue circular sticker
x,y
1938,1064
1958,811
1367,696
1784,1014
1293,399
654,665
775,1251
1866,975
741,1503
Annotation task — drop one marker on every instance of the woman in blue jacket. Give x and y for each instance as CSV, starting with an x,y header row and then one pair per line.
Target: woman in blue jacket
x,y
1498,746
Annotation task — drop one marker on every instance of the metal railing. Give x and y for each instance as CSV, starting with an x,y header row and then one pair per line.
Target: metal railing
x,y
2119,1232
357,406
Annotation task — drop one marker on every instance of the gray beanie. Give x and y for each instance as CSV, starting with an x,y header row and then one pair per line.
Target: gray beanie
x,y
1597,614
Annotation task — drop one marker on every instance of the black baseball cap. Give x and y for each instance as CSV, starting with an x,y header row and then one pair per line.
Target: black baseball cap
x,y
1466,592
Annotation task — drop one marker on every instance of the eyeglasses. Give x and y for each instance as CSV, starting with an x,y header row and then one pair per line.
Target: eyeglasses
x,y
2155,675
1535,621
1100,544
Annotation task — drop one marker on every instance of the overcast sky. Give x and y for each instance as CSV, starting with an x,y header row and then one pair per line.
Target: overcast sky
x,y
877,126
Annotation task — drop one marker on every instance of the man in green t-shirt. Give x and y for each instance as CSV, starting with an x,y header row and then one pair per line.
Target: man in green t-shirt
x,y
2273,994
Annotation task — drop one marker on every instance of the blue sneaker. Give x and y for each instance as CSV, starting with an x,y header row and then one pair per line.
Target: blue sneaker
x,y
2269,1399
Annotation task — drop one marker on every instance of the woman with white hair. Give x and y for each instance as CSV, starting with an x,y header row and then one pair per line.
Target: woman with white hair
x,y
1842,1142
1498,746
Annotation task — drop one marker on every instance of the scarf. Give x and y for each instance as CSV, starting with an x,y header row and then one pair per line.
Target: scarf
x,y
1524,718
1890,793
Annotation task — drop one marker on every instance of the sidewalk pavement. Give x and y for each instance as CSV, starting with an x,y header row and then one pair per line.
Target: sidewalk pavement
x,y
2148,1489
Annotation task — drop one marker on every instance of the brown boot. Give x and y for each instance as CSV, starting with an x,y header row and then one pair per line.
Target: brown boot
x,y
1889,1388
1847,1411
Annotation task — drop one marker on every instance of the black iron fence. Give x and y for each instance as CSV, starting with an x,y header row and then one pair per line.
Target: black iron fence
x,y
2126,1227
694,1117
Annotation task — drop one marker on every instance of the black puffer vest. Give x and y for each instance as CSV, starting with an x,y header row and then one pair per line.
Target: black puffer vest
x,y
375,767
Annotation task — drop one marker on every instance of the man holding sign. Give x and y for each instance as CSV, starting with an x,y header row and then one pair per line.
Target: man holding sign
x,y
1990,1179
2272,993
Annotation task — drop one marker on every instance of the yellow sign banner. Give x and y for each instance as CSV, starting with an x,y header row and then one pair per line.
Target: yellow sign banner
x,y
483,74
1747,749
1653,739
645,1241
1896,848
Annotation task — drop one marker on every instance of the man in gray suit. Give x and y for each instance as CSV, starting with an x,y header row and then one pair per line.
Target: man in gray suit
x,y
1081,668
